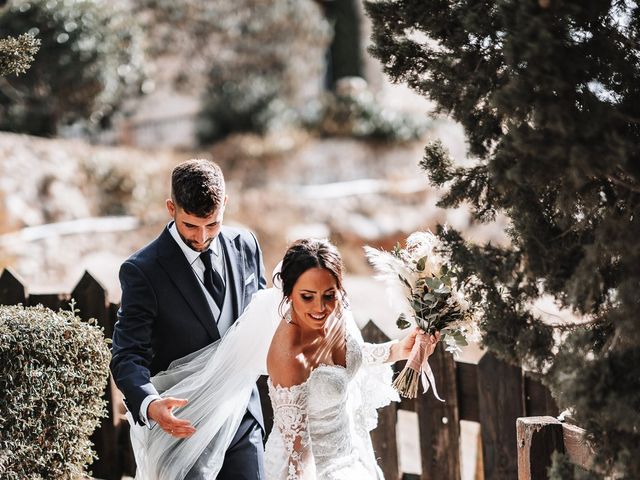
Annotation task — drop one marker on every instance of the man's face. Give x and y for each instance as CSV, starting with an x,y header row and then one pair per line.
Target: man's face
x,y
197,232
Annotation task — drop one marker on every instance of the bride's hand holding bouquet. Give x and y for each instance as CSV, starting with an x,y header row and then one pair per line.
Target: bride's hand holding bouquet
x,y
426,290
404,349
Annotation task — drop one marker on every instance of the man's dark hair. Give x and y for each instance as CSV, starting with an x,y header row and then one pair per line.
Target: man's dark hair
x,y
197,186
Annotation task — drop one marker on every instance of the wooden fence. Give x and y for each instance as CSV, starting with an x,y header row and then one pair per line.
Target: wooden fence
x,y
539,437
490,392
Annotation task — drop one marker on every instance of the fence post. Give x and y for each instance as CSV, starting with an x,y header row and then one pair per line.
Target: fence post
x,y
54,301
538,400
467,382
440,421
265,401
91,298
12,290
384,436
538,438
500,403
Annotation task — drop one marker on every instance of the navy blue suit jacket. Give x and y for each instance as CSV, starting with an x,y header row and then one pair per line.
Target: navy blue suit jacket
x,y
164,314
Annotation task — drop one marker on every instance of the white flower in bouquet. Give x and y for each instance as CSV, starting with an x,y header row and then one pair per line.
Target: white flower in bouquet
x,y
423,245
431,297
389,268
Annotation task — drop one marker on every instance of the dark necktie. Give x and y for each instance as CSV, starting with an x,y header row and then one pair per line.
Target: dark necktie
x,y
212,280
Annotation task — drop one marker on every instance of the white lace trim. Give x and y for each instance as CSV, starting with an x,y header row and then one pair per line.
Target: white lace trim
x,y
376,353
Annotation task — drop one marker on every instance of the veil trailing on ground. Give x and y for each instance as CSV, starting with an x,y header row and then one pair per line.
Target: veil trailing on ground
x,y
218,380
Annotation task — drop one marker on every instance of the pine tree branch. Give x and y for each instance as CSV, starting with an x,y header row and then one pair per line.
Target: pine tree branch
x,y
623,184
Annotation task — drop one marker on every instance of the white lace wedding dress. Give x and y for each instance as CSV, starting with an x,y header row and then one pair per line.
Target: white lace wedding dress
x,y
321,427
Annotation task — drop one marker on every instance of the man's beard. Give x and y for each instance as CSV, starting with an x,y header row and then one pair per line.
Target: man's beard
x,y
192,245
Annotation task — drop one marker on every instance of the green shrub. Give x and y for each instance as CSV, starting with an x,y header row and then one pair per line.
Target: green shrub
x,y
53,371
262,74
90,61
354,111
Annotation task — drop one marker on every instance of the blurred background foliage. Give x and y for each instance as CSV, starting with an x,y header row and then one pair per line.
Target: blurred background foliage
x,y
251,66
90,60
261,78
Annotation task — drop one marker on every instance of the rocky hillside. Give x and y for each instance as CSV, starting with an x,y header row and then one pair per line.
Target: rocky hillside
x,y
67,206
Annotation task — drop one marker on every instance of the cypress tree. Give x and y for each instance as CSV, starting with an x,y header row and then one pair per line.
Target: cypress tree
x,y
548,93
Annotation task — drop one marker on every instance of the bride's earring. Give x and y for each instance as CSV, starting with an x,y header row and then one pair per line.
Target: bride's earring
x,y
287,313
341,306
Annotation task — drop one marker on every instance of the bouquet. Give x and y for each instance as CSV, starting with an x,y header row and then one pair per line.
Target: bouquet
x,y
429,295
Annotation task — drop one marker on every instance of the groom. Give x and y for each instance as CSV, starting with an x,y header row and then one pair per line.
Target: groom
x,y
180,293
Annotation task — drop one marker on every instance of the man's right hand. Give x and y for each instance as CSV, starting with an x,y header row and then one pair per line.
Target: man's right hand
x,y
161,412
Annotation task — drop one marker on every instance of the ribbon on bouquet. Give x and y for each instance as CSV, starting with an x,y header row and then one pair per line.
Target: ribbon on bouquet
x,y
417,369
427,377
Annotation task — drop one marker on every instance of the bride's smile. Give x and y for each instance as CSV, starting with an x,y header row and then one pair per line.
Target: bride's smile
x,y
313,299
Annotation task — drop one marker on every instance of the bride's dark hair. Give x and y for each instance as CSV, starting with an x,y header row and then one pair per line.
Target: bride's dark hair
x,y
305,254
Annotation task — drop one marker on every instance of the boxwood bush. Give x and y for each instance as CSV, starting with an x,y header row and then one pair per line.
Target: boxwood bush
x,y
53,371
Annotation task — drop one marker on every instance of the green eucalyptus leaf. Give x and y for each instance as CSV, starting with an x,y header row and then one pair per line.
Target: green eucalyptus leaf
x,y
402,322
429,297
420,264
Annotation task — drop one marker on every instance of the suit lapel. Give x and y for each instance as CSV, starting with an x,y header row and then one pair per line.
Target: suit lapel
x,y
234,259
181,274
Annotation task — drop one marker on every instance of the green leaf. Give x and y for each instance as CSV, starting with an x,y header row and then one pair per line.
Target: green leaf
x,y
402,322
429,297
432,283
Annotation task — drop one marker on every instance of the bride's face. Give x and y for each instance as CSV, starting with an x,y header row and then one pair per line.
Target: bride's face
x,y
314,298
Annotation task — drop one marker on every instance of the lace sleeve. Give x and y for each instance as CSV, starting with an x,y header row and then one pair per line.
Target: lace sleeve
x,y
376,353
290,419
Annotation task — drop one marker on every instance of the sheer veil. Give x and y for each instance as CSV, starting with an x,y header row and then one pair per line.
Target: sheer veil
x,y
217,381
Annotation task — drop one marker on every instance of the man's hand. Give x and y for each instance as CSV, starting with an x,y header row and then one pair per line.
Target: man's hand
x,y
161,412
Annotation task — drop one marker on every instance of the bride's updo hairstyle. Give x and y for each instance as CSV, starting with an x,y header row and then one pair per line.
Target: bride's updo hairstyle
x,y
305,254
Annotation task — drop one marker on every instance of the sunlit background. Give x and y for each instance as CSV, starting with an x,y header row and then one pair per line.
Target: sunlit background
x,y
313,139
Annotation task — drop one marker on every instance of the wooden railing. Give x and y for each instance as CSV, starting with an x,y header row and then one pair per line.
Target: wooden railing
x,y
490,392
539,437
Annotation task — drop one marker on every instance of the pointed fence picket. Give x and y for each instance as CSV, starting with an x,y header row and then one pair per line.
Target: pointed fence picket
x,y
491,392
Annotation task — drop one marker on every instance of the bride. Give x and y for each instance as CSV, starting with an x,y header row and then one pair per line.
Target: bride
x,y
325,383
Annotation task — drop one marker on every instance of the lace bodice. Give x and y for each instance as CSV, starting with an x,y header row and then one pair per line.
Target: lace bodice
x,y
313,429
